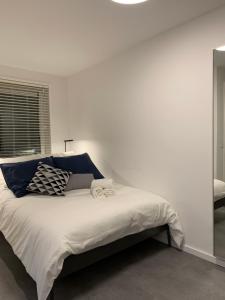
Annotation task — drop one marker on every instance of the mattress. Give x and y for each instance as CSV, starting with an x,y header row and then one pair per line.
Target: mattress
x,y
44,230
219,189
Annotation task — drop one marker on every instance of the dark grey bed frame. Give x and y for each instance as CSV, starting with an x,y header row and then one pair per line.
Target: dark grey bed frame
x,y
219,203
74,263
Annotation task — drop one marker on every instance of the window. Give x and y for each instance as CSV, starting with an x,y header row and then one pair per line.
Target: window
x,y
24,119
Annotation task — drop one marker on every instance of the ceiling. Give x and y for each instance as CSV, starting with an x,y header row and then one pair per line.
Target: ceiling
x,y
62,37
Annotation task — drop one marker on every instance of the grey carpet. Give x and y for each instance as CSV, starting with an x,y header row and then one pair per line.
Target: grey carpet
x,y
148,271
219,219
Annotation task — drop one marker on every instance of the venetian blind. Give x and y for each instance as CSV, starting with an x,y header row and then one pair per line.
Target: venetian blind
x,y
24,119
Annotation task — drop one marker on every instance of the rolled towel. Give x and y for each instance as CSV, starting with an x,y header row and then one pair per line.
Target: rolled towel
x,y
97,192
108,192
102,188
103,183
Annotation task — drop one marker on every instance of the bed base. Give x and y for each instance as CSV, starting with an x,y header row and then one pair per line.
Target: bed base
x,y
74,263
219,203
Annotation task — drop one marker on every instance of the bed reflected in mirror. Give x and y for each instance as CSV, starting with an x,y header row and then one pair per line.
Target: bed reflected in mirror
x,y
219,154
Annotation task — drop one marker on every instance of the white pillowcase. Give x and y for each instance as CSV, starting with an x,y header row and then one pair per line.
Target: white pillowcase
x,y
21,158
68,153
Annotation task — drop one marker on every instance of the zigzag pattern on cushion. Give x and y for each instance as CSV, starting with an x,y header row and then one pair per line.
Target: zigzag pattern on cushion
x,y
49,181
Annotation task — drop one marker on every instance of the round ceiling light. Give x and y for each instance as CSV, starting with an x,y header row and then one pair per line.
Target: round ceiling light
x,y
129,1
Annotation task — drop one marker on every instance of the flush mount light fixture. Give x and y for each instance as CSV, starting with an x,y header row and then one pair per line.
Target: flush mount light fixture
x,y
222,48
129,1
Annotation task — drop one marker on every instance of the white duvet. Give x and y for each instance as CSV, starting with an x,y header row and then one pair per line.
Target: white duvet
x,y
44,230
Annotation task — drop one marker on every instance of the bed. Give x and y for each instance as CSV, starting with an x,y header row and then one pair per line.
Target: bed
x,y
54,236
219,193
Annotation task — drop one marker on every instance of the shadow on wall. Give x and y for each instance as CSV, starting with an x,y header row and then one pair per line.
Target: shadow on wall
x,y
98,155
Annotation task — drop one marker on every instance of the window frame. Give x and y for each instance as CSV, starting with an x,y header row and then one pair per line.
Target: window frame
x,y
44,127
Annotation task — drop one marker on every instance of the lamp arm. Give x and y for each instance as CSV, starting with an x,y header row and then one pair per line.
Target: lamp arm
x,y
67,141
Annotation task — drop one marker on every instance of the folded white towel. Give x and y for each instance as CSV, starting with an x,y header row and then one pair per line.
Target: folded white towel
x,y
103,183
108,192
97,192
102,188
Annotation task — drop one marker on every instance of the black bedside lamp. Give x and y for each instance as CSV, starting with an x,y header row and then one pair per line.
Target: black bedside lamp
x,y
67,141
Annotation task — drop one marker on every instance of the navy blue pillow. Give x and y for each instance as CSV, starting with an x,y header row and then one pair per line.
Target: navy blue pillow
x,y
78,164
18,175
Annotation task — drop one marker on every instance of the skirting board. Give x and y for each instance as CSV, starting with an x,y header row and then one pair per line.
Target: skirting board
x,y
199,253
191,250
206,256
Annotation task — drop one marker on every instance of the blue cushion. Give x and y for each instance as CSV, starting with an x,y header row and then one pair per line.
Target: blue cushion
x,y
78,164
18,175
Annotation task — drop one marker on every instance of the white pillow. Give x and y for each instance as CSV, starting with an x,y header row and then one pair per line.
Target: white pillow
x,y
16,159
2,180
68,153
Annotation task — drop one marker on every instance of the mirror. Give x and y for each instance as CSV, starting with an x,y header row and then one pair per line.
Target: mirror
x,y
219,153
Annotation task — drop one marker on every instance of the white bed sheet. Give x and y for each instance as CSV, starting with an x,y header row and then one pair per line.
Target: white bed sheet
x,y
219,189
44,230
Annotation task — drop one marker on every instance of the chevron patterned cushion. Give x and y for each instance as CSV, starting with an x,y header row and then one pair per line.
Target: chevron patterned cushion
x,y
49,181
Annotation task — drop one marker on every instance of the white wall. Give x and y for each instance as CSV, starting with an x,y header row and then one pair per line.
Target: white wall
x,y
58,101
146,117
